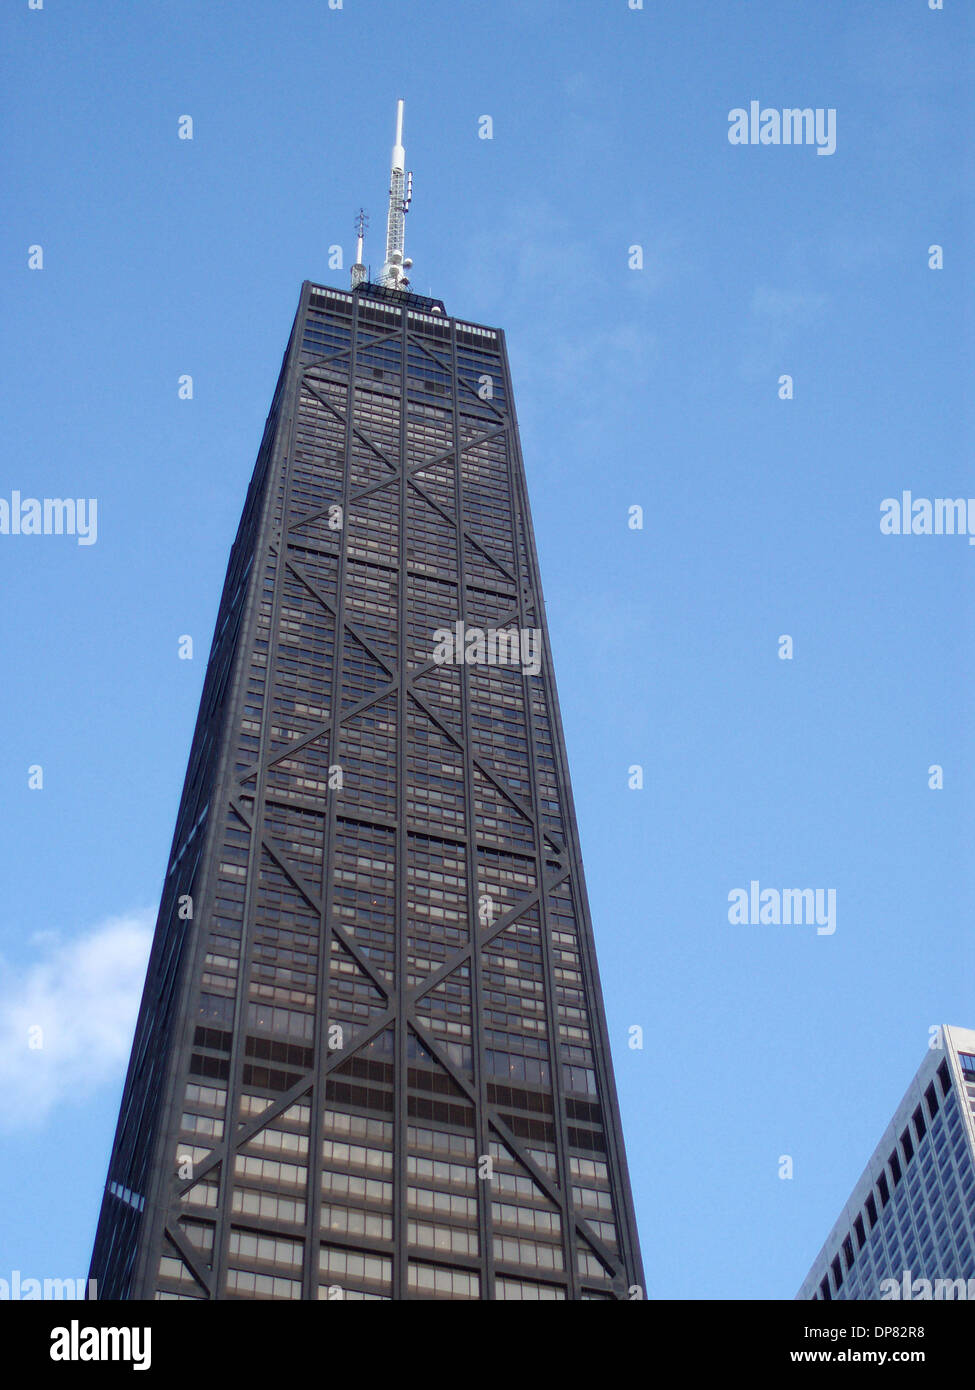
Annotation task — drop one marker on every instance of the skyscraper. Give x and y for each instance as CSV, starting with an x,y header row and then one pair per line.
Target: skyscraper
x,y
908,1230
371,1059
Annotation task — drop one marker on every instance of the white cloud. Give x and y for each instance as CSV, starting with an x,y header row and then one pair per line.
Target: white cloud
x,y
83,994
776,317
786,306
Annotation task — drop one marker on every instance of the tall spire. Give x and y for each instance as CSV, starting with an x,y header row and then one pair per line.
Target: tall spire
x,y
400,195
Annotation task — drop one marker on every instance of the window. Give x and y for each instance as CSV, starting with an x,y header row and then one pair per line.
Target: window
x,y
526,1289
268,1205
270,1170
354,1264
244,1282
446,1203
967,1060
201,1124
353,1221
250,1245
279,1141
170,1268
433,1281
907,1146
546,1222
435,1237
527,1252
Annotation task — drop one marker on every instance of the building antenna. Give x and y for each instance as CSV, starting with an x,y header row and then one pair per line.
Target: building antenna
x,y
359,270
400,196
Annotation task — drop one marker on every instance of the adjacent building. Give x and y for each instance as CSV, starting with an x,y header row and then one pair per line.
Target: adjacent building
x,y
371,1060
908,1230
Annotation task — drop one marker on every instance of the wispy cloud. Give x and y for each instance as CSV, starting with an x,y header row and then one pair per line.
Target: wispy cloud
x,y
774,321
786,307
67,1017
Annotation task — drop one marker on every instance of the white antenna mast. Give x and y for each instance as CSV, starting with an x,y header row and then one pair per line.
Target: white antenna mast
x,y
359,270
400,196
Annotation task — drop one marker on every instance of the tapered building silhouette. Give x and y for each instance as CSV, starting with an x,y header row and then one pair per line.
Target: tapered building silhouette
x,y
371,1059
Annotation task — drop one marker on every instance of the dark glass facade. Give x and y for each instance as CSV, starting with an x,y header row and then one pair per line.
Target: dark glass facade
x,y
371,1059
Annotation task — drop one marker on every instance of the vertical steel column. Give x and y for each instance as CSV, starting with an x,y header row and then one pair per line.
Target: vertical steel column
x,y
400,1284
310,1274
485,1225
272,538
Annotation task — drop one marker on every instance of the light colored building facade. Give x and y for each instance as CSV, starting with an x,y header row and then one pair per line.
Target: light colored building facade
x,y
908,1229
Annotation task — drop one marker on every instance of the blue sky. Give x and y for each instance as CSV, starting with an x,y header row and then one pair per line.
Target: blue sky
x,y
655,387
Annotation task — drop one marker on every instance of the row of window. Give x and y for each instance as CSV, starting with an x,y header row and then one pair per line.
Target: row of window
x,y
882,1190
